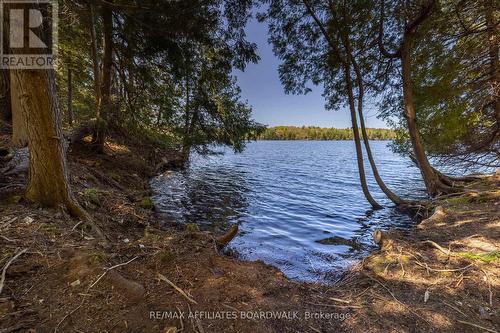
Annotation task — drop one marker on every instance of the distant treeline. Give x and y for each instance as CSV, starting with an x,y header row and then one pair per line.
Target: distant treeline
x,y
318,133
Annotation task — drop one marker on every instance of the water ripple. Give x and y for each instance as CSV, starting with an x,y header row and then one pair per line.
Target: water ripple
x,y
298,203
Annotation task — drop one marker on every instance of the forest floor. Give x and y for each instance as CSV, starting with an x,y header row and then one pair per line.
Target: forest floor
x,y
148,279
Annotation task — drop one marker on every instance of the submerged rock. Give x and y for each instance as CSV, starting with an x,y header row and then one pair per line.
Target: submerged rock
x,y
337,240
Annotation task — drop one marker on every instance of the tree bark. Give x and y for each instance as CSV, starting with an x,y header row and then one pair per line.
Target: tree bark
x,y
19,135
102,118
357,141
48,178
107,19
96,70
95,60
361,91
431,179
5,107
70,96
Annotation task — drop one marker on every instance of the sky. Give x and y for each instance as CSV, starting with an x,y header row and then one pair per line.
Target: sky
x,y
262,89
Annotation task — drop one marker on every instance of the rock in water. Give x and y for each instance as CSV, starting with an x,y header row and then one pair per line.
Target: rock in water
x,y
336,240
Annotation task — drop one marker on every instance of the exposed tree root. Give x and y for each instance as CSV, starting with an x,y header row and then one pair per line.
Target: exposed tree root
x,y
105,179
75,210
442,184
227,237
452,181
438,215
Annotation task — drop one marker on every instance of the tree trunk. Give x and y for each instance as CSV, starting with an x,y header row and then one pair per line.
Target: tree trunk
x,y
493,48
96,70
95,60
70,96
101,124
48,178
431,179
361,92
5,108
346,63
107,19
357,141
19,135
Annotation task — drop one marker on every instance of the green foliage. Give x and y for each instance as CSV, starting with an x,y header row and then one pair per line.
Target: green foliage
x,y
452,85
147,203
443,96
92,195
166,256
192,228
318,133
486,257
73,45
460,201
307,57
173,82
172,73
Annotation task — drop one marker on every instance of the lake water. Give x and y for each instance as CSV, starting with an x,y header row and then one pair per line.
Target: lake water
x,y
298,204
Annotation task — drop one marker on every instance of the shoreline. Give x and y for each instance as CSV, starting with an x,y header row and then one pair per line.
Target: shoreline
x,y
67,281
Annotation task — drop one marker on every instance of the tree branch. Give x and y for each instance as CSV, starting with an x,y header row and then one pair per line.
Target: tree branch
x,y
383,50
422,16
321,27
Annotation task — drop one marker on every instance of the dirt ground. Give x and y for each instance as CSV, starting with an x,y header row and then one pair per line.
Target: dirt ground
x,y
444,277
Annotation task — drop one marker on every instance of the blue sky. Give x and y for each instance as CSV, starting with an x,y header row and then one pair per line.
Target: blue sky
x,y
262,89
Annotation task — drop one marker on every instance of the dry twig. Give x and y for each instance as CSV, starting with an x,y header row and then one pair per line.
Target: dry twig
x,y
477,326
489,286
110,268
439,247
4,270
182,292
68,314
8,239
397,300
445,269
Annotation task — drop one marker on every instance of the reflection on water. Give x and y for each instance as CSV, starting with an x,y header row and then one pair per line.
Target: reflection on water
x,y
298,203
213,199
